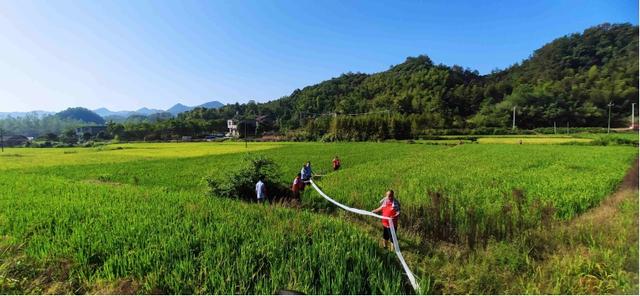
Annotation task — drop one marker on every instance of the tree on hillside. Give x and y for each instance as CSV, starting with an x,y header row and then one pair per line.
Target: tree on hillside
x,y
86,137
50,137
69,137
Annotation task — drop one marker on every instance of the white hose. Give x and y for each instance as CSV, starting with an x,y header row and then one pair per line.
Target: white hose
x,y
396,246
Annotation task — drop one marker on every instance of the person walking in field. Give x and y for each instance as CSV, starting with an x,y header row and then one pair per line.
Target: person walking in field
x,y
389,207
296,187
261,191
306,172
336,163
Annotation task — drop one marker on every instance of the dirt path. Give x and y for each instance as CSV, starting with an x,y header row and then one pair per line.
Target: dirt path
x,y
609,207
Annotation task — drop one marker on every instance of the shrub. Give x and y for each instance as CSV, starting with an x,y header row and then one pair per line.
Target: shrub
x,y
240,184
607,140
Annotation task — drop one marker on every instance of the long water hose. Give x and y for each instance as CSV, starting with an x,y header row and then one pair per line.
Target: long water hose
x,y
396,246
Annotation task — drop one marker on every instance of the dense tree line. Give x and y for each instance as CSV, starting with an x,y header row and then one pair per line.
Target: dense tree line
x,y
32,125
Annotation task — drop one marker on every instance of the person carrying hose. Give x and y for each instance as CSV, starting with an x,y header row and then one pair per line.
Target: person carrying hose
x,y
306,172
389,207
336,163
296,187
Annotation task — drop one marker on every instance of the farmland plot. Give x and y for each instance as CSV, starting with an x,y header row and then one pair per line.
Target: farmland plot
x,y
140,212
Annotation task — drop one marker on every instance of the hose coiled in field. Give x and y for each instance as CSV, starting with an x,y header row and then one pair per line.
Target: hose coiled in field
x,y
396,246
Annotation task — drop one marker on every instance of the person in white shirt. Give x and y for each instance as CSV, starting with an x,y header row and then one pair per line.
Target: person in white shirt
x,y
261,191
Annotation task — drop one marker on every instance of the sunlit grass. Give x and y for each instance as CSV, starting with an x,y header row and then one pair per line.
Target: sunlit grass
x,y
37,157
142,212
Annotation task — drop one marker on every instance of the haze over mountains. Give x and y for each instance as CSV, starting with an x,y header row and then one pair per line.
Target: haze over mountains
x,y
104,112
174,110
38,113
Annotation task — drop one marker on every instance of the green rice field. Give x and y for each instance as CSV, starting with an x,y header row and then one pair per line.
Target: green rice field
x,y
138,218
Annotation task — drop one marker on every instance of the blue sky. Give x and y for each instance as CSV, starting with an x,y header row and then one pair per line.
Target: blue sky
x,y
125,55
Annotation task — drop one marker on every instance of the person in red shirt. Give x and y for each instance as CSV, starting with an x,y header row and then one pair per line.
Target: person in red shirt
x,y
296,187
336,163
389,207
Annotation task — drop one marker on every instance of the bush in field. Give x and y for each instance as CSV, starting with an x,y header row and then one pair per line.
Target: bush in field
x,y
614,140
240,183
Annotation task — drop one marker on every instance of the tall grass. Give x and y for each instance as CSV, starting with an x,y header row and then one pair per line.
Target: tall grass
x,y
142,212
178,243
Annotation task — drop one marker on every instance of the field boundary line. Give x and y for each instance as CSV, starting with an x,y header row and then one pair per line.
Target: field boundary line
x,y
396,246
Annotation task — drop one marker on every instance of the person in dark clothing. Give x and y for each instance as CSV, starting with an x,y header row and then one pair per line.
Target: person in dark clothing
x,y
306,173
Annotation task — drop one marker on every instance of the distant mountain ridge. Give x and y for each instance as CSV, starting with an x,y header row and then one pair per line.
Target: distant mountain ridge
x,y
38,113
104,112
179,108
121,115
174,110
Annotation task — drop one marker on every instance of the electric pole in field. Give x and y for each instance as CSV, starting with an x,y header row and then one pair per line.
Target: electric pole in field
x,y
2,139
609,122
633,114
514,118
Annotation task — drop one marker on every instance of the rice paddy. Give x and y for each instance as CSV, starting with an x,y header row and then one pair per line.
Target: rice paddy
x,y
140,213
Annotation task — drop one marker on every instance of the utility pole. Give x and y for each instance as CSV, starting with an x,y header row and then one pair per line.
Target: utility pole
x,y
514,118
609,122
245,135
567,127
2,139
554,128
633,114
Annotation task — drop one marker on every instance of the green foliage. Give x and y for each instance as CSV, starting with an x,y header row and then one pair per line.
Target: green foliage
x,y
50,137
605,140
69,137
86,137
595,254
35,126
239,183
474,186
141,213
81,114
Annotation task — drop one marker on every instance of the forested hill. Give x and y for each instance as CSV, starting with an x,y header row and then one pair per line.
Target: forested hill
x,y
571,79
80,114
